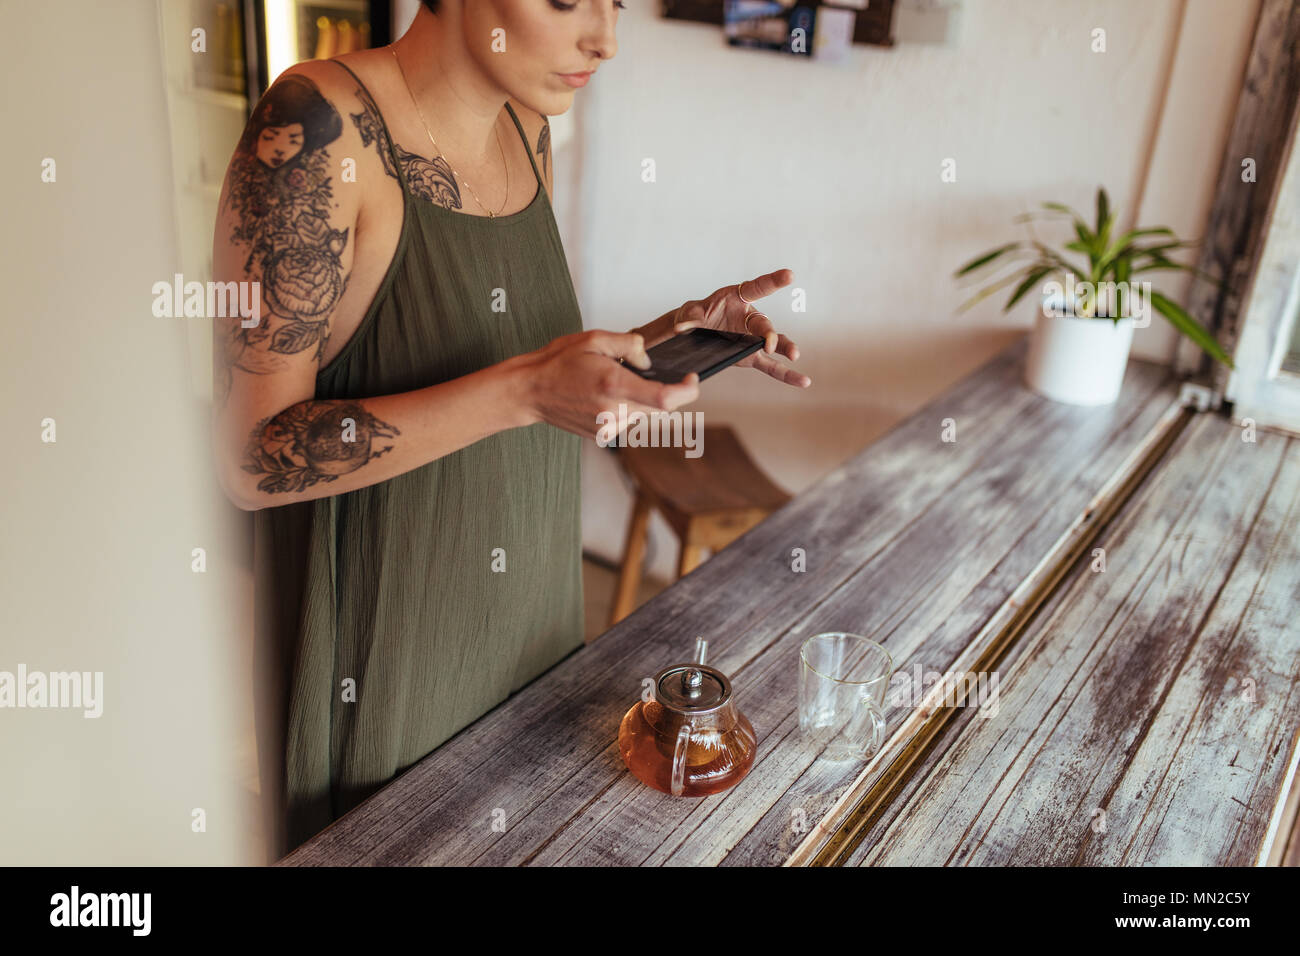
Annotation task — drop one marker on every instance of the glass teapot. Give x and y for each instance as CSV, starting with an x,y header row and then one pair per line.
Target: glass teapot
x,y
690,740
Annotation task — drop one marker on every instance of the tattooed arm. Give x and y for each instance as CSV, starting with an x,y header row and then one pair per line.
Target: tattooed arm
x,y
287,222
318,448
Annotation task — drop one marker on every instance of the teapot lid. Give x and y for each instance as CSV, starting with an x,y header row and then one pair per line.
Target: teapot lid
x,y
692,688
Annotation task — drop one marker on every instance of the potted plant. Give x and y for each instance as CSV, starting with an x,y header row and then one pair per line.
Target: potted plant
x,y
1080,343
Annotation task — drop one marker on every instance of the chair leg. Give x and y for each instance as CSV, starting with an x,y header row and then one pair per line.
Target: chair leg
x,y
690,558
629,574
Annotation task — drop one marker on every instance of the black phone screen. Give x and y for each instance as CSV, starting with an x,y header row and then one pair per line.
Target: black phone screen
x,y
703,351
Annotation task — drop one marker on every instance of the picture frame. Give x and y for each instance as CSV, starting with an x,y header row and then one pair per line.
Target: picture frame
x,y
873,26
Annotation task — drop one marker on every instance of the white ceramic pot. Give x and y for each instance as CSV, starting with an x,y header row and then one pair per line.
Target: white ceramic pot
x,y
1078,361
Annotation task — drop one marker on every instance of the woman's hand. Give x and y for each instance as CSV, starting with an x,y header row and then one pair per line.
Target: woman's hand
x,y
573,379
728,310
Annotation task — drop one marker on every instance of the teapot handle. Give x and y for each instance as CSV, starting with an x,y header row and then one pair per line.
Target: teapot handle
x,y
678,782
679,759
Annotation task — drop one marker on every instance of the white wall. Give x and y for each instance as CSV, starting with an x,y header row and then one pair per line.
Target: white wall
x,y
766,161
95,559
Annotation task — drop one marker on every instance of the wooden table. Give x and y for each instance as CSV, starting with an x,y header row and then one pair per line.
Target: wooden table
x,y
1149,714
1120,691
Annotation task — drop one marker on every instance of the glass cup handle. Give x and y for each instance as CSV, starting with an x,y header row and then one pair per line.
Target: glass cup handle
x,y
877,724
871,714
679,759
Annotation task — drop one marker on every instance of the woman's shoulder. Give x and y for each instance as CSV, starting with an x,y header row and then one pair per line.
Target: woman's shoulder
x,y
338,78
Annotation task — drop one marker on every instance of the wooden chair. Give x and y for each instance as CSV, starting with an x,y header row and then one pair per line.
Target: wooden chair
x,y
708,501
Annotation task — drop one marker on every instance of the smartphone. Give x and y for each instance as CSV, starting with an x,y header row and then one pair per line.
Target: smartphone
x,y
703,351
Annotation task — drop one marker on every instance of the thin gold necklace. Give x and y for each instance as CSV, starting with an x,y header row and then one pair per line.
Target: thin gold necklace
x,y
420,113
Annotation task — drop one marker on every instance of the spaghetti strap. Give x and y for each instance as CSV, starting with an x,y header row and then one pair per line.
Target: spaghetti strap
x,y
367,135
527,147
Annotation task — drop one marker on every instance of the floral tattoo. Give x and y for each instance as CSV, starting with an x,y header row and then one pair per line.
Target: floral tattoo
x,y
314,442
430,179
281,197
544,146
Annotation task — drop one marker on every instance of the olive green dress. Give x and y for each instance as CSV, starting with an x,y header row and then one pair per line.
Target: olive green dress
x,y
391,588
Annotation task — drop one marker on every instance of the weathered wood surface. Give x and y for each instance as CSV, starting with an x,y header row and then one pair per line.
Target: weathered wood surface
x,y
915,542
1164,690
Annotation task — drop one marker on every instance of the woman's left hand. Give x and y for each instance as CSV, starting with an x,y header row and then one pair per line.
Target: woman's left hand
x,y
727,311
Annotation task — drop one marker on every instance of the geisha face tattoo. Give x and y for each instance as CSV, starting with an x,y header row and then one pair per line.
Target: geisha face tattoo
x,y
281,196
278,144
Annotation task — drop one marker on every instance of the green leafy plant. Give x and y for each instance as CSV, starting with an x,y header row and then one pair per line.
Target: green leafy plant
x,y
1116,260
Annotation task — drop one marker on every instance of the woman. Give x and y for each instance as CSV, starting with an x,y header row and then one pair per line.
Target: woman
x,y
406,416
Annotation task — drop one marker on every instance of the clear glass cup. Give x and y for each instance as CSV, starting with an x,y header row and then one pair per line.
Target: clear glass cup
x,y
843,679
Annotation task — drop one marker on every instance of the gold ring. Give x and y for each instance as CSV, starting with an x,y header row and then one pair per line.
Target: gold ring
x,y
740,295
750,315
